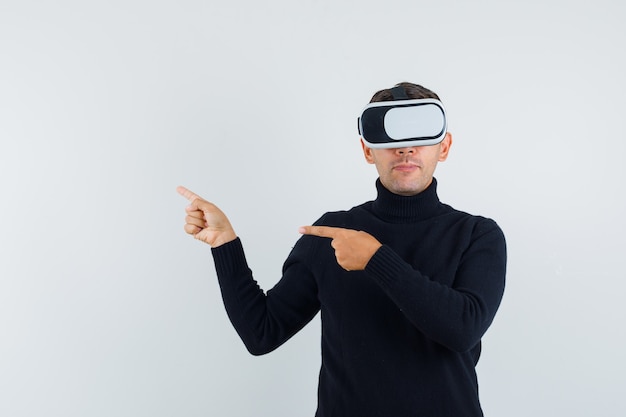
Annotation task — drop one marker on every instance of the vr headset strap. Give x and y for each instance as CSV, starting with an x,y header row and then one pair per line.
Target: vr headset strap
x,y
399,93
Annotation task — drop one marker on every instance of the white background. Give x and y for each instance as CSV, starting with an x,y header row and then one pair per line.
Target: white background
x,y
107,308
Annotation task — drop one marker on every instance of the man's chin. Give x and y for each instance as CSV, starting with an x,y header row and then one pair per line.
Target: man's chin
x,y
406,188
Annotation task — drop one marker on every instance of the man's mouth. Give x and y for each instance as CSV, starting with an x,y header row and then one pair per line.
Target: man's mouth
x,y
405,167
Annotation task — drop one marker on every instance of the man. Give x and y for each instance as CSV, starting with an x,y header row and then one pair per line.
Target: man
x,y
406,285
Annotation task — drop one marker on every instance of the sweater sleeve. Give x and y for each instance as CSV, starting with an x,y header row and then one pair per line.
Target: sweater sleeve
x,y
455,316
264,321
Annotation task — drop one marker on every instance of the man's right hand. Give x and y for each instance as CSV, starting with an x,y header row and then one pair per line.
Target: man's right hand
x,y
205,221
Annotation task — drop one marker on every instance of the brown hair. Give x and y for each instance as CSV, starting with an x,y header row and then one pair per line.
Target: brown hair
x,y
413,91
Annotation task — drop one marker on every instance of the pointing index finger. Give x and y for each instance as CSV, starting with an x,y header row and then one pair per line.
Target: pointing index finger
x,y
321,231
188,194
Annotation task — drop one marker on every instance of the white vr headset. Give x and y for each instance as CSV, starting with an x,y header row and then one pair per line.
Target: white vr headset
x,y
402,123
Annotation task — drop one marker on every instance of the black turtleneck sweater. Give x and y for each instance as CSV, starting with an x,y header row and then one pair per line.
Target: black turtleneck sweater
x,y
400,338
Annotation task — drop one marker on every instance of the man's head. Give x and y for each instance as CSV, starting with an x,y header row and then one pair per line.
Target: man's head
x,y
413,91
408,170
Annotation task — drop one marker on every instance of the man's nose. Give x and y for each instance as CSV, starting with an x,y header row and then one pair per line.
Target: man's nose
x,y
405,151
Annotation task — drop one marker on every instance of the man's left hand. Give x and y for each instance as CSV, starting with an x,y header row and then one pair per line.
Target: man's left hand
x,y
353,248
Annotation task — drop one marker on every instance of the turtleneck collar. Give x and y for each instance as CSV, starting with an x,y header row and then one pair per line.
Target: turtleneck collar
x,y
396,208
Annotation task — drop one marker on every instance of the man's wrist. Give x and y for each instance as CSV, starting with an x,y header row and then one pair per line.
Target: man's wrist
x,y
224,238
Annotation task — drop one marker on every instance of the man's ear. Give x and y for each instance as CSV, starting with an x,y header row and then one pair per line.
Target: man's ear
x,y
367,152
446,143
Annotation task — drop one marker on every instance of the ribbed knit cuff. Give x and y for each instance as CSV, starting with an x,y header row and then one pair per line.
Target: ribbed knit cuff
x,y
386,266
229,258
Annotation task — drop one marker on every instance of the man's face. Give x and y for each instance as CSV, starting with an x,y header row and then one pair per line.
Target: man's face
x,y
408,171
